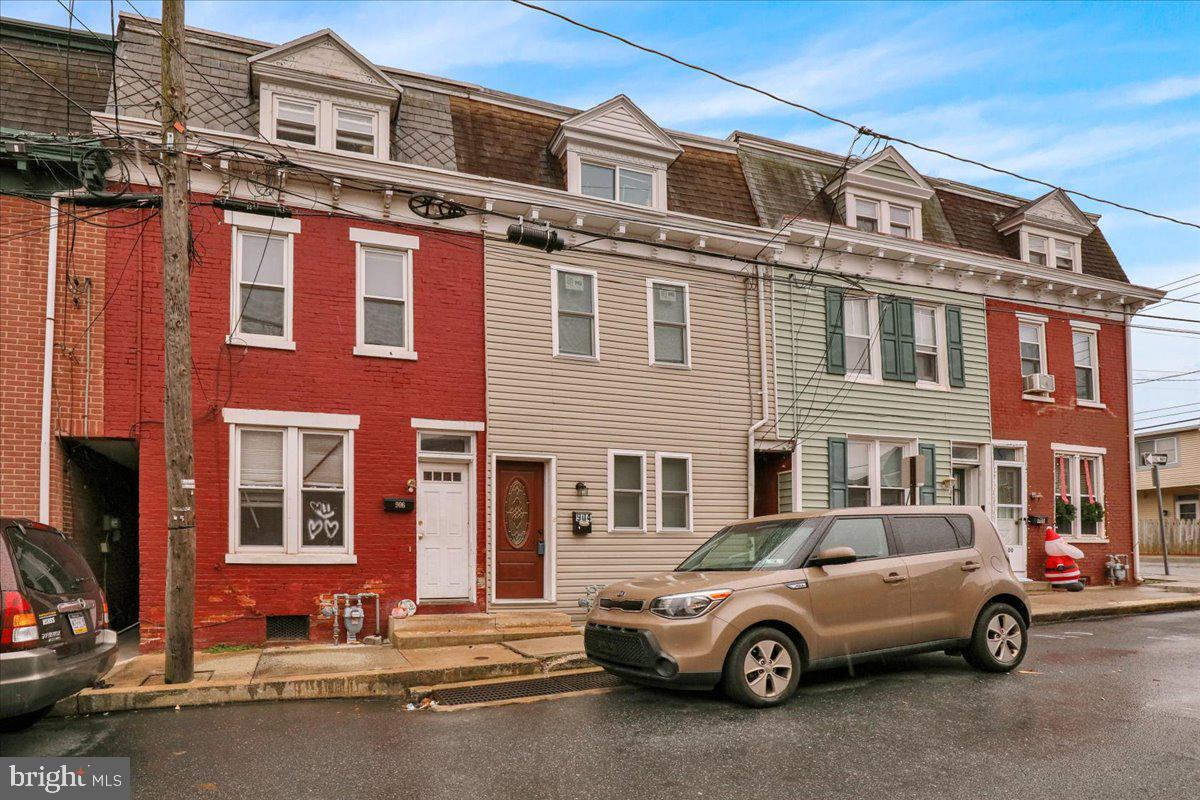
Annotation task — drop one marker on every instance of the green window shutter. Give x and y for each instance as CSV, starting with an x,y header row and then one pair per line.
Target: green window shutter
x,y
906,338
889,343
929,485
835,333
954,346
837,473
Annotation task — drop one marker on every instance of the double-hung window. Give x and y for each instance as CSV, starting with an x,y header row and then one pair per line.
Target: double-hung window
x,y
384,296
1046,251
882,216
926,341
1038,250
261,303
900,221
1079,493
296,121
857,313
626,490
622,184
1167,445
874,473
674,481
1064,255
669,323
354,131
1087,376
1032,336
291,487
866,215
576,317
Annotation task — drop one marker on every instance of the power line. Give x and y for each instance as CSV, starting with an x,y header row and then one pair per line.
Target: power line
x,y
1165,408
1191,410
1170,377
1175,422
847,123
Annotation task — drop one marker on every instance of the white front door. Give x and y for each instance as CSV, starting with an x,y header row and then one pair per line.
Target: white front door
x,y
444,532
1010,513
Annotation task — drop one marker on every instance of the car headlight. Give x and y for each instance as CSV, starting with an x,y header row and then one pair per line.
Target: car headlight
x,y
689,605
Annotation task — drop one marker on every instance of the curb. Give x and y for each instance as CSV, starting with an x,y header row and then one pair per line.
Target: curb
x,y
397,684
1126,608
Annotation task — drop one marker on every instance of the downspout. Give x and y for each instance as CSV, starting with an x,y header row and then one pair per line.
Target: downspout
x,y
48,361
1133,498
762,363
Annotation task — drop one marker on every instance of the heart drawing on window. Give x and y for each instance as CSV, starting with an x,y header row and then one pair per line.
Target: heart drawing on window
x,y
324,521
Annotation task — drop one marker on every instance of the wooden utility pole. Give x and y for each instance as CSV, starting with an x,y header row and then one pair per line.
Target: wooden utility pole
x,y
177,395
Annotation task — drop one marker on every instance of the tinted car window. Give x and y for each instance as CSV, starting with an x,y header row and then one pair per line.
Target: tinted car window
x,y
964,529
864,534
923,534
46,562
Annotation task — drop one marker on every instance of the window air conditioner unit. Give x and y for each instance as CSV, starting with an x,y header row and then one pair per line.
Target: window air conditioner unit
x,y
1038,383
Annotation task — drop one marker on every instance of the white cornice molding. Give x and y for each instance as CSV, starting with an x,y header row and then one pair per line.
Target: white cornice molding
x,y
862,254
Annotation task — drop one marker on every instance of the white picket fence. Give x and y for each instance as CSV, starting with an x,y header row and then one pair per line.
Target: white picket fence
x,y
1183,537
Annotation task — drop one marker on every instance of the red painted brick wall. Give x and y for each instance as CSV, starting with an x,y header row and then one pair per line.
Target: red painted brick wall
x,y
1040,424
321,375
24,247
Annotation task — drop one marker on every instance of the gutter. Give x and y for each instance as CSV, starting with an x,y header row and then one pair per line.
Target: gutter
x,y
762,364
48,361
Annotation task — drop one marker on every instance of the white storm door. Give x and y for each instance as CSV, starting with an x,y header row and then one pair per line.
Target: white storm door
x,y
1010,514
443,533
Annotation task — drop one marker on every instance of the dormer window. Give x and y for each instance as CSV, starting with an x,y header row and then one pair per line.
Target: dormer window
x,y
882,194
1037,250
615,152
1064,255
622,184
318,92
354,131
296,121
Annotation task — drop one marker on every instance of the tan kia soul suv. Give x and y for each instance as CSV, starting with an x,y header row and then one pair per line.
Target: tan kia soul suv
x,y
767,598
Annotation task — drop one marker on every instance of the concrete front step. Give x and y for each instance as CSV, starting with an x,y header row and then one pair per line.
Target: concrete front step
x,y
444,630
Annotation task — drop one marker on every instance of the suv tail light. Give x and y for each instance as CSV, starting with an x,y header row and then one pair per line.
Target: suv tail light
x,y
19,628
104,615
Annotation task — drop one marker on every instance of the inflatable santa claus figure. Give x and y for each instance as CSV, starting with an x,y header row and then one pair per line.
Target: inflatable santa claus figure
x,y
1061,570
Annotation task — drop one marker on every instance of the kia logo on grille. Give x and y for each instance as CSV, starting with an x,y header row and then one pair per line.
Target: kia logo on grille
x,y
620,594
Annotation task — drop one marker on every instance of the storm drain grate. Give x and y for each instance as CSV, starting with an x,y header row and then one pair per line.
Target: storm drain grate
x,y
513,690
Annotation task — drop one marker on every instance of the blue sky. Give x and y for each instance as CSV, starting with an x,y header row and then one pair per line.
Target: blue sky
x,y
1099,97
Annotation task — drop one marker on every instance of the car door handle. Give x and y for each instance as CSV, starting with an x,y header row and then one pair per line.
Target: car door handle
x,y
971,566
895,577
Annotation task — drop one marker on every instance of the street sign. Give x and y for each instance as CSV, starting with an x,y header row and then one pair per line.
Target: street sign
x,y
1154,459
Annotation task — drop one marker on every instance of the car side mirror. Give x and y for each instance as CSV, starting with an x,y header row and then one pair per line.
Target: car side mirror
x,y
833,555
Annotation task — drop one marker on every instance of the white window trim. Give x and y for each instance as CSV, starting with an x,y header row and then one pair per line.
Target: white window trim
x,y
269,98
398,243
1147,467
285,228
555,269
1052,240
1039,322
658,492
874,473
458,426
1092,331
641,454
575,161
687,323
293,425
1074,452
874,343
1179,503
939,336
884,222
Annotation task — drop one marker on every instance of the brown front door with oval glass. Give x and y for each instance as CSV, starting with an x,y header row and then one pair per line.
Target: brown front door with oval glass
x,y
520,516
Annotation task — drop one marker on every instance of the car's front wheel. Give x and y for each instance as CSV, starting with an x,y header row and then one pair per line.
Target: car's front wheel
x,y
762,668
999,640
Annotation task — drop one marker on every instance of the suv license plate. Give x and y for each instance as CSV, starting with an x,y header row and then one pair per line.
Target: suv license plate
x,y
78,623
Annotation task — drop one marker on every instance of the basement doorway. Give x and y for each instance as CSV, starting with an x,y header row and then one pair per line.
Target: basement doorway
x,y
101,491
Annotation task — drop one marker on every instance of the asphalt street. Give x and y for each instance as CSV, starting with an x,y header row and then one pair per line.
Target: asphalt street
x,y
1101,709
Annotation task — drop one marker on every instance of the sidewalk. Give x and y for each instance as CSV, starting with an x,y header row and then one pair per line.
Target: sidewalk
x,y
326,671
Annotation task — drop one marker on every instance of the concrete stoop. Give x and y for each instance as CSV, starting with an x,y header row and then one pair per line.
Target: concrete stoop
x,y
445,630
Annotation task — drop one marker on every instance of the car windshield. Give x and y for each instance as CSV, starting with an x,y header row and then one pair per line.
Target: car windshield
x,y
45,560
766,545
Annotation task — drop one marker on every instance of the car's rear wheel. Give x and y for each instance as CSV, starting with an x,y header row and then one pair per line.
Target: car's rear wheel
x,y
762,668
999,640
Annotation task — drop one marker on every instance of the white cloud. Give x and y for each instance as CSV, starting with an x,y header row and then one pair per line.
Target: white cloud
x,y
1167,90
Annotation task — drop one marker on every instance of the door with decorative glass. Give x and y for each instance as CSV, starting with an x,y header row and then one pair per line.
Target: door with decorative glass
x,y
520,543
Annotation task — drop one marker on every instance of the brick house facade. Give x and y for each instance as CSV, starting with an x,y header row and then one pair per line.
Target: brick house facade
x,y
388,401
1062,435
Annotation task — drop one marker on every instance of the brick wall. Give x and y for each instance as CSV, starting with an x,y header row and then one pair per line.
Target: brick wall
x,y
24,243
1041,424
321,375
